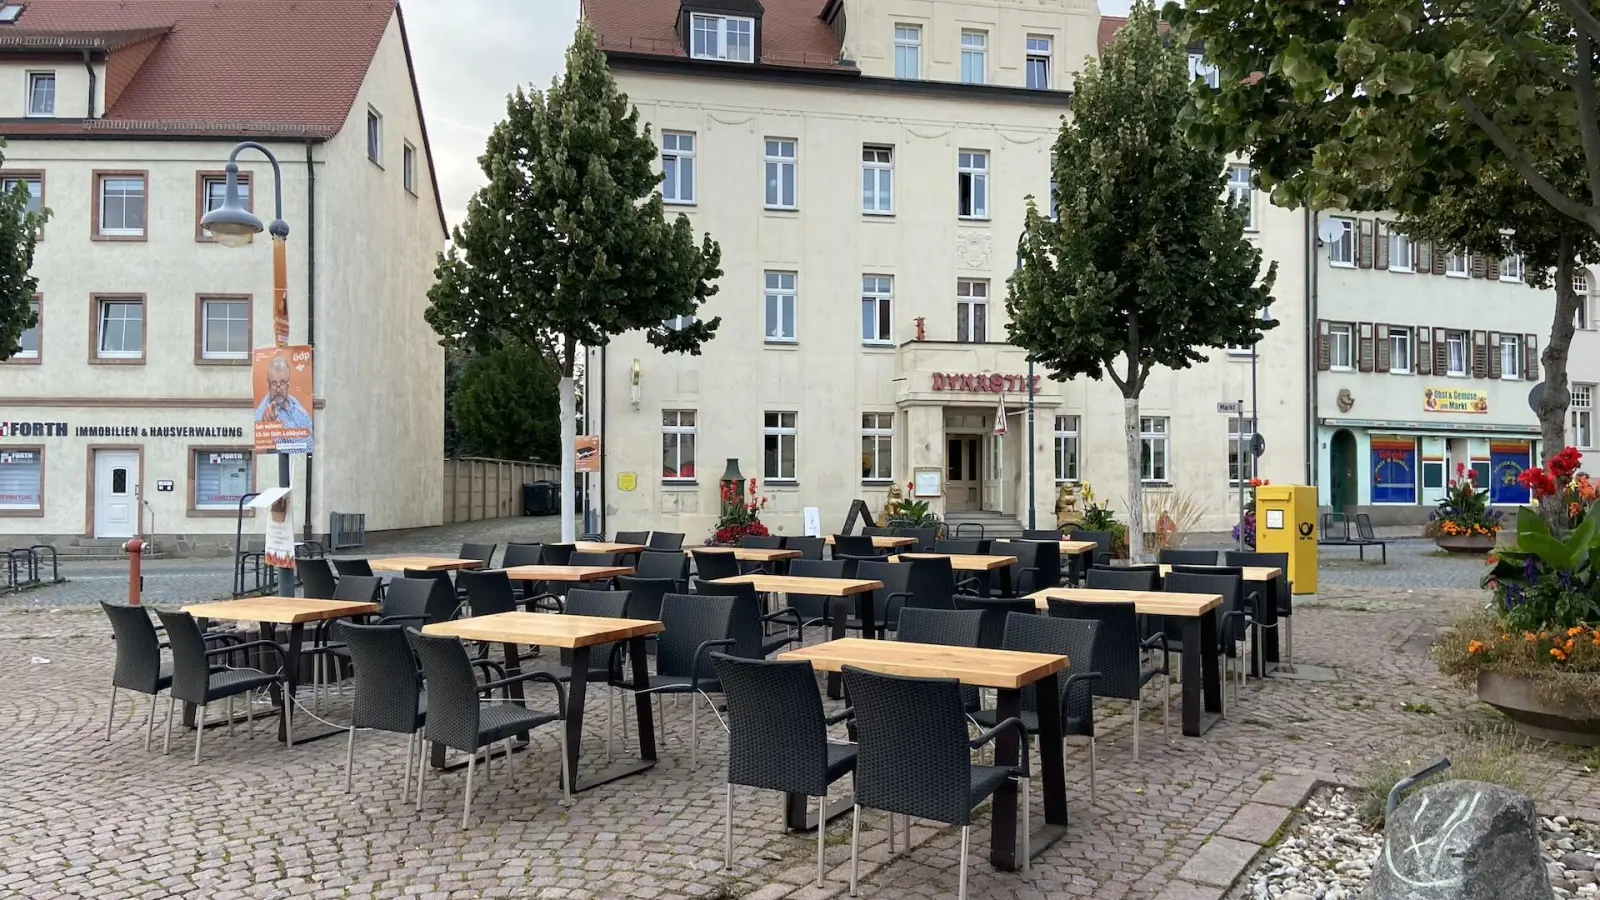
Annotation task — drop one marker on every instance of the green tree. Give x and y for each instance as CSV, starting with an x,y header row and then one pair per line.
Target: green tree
x,y
507,405
19,231
568,244
1145,260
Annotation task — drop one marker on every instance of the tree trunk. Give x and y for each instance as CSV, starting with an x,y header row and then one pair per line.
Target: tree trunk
x,y
569,439
1130,433
1553,406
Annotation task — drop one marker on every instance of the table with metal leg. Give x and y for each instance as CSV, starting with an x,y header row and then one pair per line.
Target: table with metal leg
x,y
1263,581
844,588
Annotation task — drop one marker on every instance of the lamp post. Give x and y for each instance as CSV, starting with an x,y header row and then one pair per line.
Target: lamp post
x,y
233,225
1033,499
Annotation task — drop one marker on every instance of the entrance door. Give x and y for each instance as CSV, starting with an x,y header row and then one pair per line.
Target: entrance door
x,y
963,475
1342,466
116,493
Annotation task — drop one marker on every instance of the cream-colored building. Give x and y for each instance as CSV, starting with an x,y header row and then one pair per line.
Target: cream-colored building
x,y
864,166
129,409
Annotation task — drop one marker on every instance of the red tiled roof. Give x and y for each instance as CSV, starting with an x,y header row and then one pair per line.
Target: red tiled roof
x,y
1109,26
792,31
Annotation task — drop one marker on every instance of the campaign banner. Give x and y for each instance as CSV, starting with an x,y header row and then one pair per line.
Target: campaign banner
x,y
283,385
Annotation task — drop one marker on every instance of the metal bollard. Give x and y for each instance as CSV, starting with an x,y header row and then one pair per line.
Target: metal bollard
x,y
135,551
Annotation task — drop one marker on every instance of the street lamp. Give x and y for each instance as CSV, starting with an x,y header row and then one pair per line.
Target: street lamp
x,y
233,225
1033,500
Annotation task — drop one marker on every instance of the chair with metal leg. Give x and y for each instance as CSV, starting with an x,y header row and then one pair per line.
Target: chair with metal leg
x,y
695,625
352,565
1284,595
458,720
195,680
914,758
388,690
778,737
483,553
139,665
1119,657
315,577
603,604
710,565
665,540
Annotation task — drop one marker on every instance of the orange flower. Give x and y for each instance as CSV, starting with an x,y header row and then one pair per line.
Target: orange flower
x,y
1476,647
1569,645
1491,560
1572,509
1575,630
1531,637
1507,637
1558,654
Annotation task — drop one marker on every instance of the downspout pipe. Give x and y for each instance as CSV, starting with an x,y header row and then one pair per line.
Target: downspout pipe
x,y
1311,347
311,309
88,64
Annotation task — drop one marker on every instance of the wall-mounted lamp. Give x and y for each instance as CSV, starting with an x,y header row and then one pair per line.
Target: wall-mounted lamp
x,y
633,384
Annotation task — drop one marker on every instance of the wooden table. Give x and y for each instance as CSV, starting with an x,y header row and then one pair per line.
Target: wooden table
x,y
1266,613
423,563
883,541
607,547
963,562
566,573
1068,548
579,634
749,554
1202,680
269,613
1007,672
821,587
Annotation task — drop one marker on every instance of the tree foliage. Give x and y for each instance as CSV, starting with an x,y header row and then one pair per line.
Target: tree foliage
x,y
1145,261
505,405
19,232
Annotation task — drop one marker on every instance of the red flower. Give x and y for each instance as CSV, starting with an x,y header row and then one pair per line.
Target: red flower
x,y
1563,464
1461,469
1537,480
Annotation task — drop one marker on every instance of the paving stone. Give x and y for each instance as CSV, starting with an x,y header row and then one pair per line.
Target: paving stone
x,y
1284,790
1255,822
1185,890
1219,862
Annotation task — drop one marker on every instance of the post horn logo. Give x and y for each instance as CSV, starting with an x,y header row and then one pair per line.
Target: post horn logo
x,y
1305,529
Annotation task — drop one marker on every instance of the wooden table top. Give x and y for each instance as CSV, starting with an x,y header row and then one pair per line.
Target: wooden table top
x,y
883,541
279,610
424,563
749,554
606,547
1251,573
1003,669
963,562
800,584
566,573
544,629
1150,603
1074,548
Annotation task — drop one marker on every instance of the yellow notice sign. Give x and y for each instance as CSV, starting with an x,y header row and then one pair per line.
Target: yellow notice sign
x,y
627,481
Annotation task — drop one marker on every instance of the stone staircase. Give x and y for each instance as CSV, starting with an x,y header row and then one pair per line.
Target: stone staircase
x,y
996,526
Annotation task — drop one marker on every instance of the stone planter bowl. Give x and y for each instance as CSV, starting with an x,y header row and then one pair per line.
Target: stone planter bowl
x,y
1514,695
1466,543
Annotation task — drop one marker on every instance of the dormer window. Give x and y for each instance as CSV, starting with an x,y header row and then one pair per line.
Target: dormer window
x,y
41,93
730,38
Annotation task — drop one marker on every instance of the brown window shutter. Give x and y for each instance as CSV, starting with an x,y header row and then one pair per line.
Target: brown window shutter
x,y
1491,268
1440,256
1383,349
1530,347
1364,250
1381,244
1425,257
1324,352
1423,352
1441,352
1480,355
1364,347
1495,364
1477,267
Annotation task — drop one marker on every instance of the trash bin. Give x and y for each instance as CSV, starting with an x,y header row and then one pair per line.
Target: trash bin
x,y
541,498
1286,522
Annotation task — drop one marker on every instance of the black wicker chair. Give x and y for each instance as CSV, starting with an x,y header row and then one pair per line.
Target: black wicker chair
x,y
1119,657
358,589
887,600
1025,571
457,594
924,538
762,541
778,738
557,554
1074,639
139,665
521,555
709,565
932,583
483,553
604,604
641,538
315,577
961,547
809,547
856,545
914,758
1123,579
458,720
1235,617
1285,597
416,602
948,628
665,540
749,628
352,565
1102,540
586,558
1187,558
388,691
811,609
669,564
994,612
695,625
488,591
877,531
1041,534
195,680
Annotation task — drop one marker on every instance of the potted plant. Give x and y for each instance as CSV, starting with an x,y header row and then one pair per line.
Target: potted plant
x,y
740,515
914,514
1464,523
1099,517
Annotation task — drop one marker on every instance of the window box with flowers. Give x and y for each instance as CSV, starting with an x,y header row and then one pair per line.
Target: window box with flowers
x,y
740,515
1464,523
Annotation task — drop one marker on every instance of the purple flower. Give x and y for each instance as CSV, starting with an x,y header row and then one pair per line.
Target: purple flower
x,y
1530,569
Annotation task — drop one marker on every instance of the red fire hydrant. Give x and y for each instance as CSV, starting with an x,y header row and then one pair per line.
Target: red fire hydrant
x,y
135,551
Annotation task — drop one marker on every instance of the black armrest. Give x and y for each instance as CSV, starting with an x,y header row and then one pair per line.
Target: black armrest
x,y
561,690
1103,557
699,658
1158,639
892,604
283,652
1033,580
848,712
787,611
389,620
488,664
976,586
222,636
544,601
999,729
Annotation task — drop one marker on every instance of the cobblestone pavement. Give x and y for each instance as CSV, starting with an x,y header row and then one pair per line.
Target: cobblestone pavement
x,y
87,817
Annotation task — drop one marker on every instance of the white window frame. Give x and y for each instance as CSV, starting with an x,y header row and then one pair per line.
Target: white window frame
x,y
877,291
1464,341
1580,282
877,180
228,505
972,184
877,446
35,183
1240,191
907,51
974,56
1199,68
1249,424
1336,329
1400,337
374,137
1342,250
1582,418
781,170
720,30
1155,434
101,309
408,167
207,182
675,425
780,295
1457,265
1511,269
1067,449
1403,253
206,304
1039,47
37,331
679,323
1510,351
682,166
781,430
143,195
35,80
8,458
972,310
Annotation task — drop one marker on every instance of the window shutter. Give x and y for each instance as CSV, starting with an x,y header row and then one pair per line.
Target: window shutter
x,y
1530,365
1495,364
1441,352
1424,352
1425,257
1381,244
1439,257
1324,352
1491,268
1364,252
1383,349
1478,268
1480,355
1364,347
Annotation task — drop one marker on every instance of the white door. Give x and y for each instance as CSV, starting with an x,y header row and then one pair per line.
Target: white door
x,y
995,479
116,493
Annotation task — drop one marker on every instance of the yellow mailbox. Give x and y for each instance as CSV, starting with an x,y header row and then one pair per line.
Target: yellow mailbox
x,y
1286,522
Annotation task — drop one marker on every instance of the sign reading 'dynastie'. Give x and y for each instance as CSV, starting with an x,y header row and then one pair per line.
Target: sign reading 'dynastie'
x,y
1454,400
983,382
61,429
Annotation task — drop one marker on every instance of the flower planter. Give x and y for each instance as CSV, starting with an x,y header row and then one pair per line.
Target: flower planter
x,y
1515,695
1466,543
